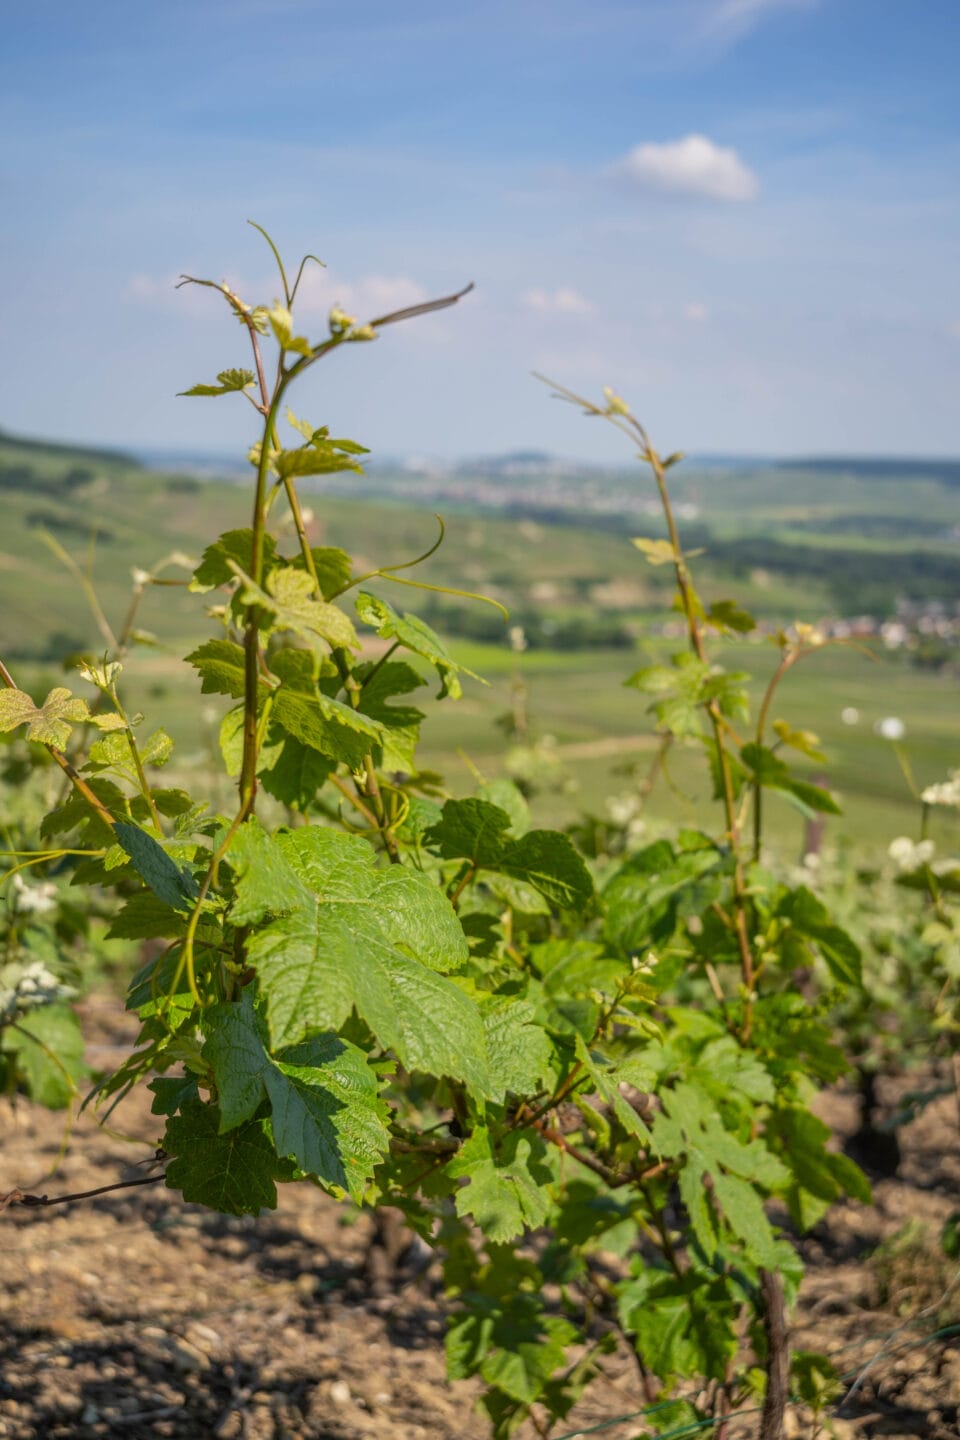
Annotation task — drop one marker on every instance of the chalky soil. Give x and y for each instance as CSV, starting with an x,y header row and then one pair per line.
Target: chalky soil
x,y
134,1315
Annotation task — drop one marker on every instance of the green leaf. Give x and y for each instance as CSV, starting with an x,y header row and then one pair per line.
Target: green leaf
x,y
811,919
289,598
144,917
325,1109
335,730
171,884
819,1177
235,1173
401,723
334,568
657,552
684,1325
293,772
228,382
348,936
768,770
547,860
414,635
520,1049
476,830
690,1127
50,723
220,665
281,323
47,1046
509,798
728,615
234,546
507,1189
471,830
322,458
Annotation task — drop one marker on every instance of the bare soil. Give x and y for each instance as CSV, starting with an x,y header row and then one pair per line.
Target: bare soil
x,y
134,1315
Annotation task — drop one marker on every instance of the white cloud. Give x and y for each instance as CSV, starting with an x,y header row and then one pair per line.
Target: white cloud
x,y
694,165
730,19
142,289
695,312
366,297
564,301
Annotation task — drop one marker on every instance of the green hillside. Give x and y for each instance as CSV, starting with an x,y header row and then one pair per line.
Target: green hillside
x,y
591,609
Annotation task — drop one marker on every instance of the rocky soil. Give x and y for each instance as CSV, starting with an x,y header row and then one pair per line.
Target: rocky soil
x,y
134,1315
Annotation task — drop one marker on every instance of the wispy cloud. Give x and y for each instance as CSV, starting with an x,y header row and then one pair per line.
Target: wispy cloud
x,y
731,19
364,297
694,165
564,301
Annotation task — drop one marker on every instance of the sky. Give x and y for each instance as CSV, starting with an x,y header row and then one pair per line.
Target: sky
x,y
743,215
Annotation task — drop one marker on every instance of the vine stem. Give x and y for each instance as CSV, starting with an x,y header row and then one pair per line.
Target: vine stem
x,y
718,725
789,659
621,418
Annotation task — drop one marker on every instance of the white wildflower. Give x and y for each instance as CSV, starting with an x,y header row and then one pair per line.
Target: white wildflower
x,y
944,792
891,727
33,899
909,855
850,715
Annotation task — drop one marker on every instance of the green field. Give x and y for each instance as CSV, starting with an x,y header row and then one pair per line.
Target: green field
x,y
112,516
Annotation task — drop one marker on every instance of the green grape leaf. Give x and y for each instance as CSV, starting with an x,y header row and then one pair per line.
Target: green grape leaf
x,y
401,723
348,936
293,772
174,885
527,1355
811,919
520,1049
50,723
414,634
547,860
657,552
220,665
228,381
507,797
235,1173
729,616
507,1185
289,598
281,323
689,1126
768,770
326,1112
234,547
819,1176
47,1046
302,709
607,1077
471,830
334,568
684,1324
321,458
144,917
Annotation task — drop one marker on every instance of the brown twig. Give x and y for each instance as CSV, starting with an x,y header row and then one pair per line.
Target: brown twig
x,y
778,1356
39,1202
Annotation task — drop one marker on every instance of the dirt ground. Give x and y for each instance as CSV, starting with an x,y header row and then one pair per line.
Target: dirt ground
x,y
134,1315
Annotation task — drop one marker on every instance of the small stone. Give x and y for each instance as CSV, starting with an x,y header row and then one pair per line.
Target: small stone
x,y
203,1336
340,1393
90,1415
186,1357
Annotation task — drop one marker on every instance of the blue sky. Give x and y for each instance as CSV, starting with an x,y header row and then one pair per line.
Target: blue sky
x,y
743,214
